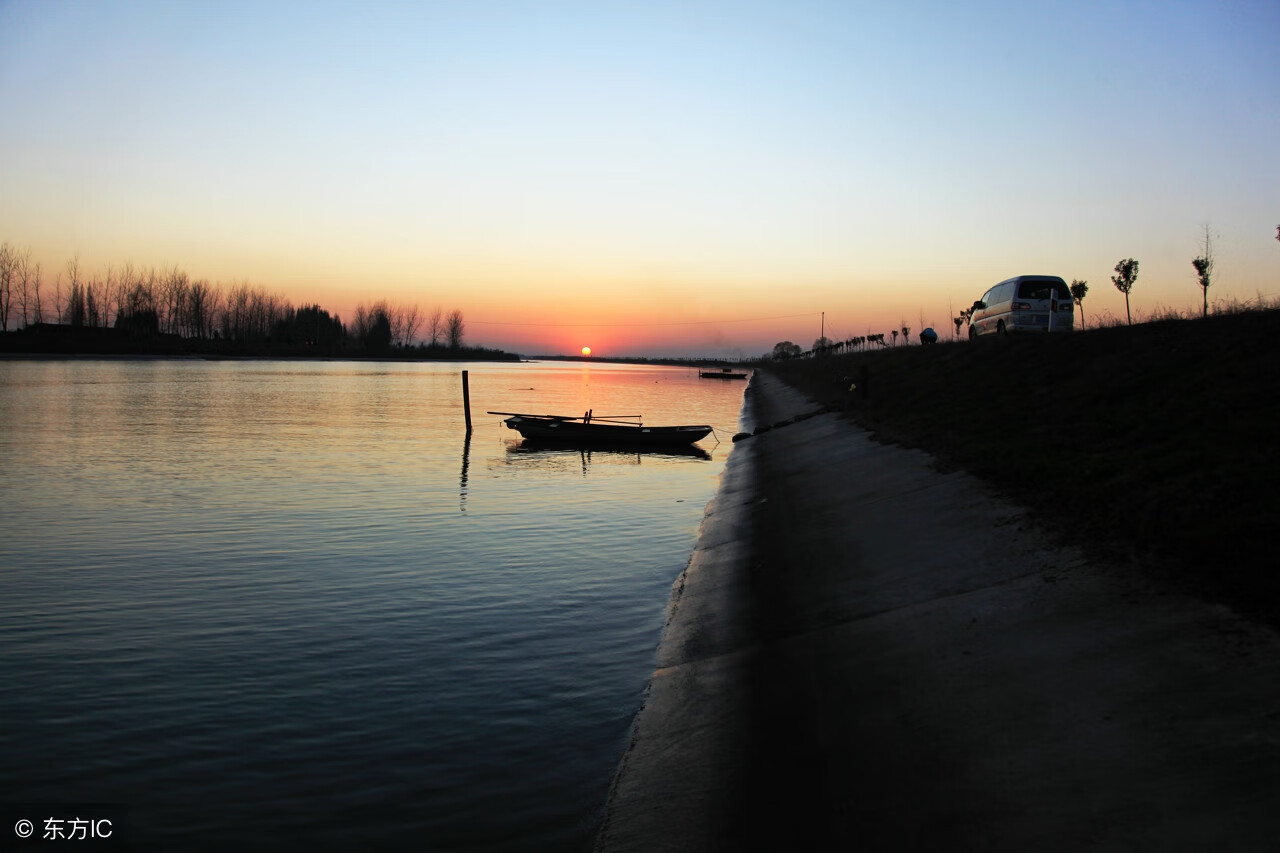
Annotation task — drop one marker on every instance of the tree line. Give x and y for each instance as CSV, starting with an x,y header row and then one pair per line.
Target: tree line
x,y
150,303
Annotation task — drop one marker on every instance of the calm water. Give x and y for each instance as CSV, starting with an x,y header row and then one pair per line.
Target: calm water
x,y
269,602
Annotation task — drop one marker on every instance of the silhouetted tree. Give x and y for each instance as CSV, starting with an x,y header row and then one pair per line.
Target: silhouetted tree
x,y
410,321
29,281
19,280
318,328
8,268
785,349
1127,274
142,324
1204,267
309,326
455,328
173,295
1078,291
76,309
906,335
249,313
435,325
75,299
378,339
197,310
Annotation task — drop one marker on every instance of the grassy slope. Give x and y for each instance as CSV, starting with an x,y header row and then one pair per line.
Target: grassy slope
x,y
1156,442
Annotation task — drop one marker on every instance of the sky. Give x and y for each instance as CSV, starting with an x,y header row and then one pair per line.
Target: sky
x,y
683,178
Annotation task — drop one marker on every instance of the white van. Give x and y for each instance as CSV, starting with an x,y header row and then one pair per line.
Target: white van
x,y
1022,304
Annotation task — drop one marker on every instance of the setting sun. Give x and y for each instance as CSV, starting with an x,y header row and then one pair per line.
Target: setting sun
x,y
586,350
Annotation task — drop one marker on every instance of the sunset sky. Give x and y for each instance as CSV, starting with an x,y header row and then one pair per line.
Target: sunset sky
x,y
649,178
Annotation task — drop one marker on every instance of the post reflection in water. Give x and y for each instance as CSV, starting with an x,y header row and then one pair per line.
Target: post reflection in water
x,y
462,480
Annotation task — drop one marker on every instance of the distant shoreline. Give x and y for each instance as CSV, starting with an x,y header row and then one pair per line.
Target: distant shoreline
x,y
60,341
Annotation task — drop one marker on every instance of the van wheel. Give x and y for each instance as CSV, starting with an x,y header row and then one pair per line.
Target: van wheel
x,y
973,333
1001,331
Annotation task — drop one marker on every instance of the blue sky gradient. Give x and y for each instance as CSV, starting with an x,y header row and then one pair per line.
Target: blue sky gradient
x,y
648,163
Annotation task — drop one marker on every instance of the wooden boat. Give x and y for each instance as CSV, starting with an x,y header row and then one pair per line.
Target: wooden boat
x,y
618,430
723,373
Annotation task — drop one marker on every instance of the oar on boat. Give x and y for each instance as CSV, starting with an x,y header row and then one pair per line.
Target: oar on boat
x,y
594,418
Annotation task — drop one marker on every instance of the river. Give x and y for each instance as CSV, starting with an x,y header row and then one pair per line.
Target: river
x,y
265,602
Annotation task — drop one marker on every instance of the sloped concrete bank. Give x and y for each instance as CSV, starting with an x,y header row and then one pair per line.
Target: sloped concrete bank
x,y
865,653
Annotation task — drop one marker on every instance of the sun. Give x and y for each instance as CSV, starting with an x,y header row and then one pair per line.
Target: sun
x,y
586,350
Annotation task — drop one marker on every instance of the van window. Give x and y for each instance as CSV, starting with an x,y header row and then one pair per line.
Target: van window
x,y
1042,290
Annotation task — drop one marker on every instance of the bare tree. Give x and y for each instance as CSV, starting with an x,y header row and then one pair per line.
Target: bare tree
x,y
106,296
173,291
21,264
360,325
395,313
369,319
17,273
32,277
379,320
135,300
249,313
235,313
75,301
1127,274
214,306
1078,291
1204,266
455,329
412,321
435,325
197,309
8,266
124,286
92,300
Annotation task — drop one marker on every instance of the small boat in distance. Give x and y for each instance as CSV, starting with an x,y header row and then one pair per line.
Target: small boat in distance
x,y
722,373
618,430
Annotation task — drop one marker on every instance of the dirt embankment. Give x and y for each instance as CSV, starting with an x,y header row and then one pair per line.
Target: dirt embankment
x,y
1151,444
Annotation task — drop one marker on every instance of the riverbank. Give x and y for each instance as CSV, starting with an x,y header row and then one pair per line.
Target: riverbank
x,y
50,340
1150,445
865,651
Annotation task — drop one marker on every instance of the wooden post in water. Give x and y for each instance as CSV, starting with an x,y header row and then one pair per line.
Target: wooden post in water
x,y
466,400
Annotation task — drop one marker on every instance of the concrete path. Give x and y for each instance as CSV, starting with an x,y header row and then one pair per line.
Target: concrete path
x,y
867,654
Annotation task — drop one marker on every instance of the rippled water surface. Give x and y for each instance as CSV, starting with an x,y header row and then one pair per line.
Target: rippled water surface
x,y
269,602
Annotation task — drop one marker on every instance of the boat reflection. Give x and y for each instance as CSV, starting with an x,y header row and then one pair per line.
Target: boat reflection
x,y
530,453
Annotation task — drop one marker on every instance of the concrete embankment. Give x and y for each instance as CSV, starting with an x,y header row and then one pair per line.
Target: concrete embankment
x,y
865,653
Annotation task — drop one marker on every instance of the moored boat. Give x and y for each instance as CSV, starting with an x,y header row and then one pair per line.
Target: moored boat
x,y
723,373
618,430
